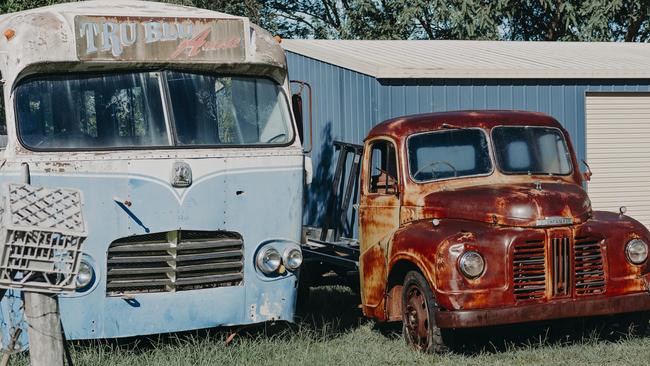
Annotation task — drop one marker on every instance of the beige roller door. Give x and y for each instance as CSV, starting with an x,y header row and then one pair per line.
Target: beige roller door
x,y
618,151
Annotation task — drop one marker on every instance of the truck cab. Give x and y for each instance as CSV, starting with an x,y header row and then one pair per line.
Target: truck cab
x,y
480,218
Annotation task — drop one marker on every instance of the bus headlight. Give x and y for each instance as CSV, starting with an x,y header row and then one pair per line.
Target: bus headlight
x,y
471,264
292,258
636,251
85,276
268,260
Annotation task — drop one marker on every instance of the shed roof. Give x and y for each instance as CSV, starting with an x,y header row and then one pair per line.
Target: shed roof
x,y
481,59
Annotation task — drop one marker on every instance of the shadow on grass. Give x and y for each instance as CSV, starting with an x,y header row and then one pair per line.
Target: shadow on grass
x,y
563,332
334,310
330,311
337,308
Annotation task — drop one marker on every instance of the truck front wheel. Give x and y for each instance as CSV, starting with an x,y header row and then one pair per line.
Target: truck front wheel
x,y
419,324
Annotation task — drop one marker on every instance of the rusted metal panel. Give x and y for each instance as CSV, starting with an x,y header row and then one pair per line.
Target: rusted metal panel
x,y
101,38
378,220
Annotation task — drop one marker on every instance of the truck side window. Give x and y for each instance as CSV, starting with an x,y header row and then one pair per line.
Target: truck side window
x,y
383,168
3,119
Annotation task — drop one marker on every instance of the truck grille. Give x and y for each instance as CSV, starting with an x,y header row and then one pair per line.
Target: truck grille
x,y
561,252
576,267
589,268
174,261
529,270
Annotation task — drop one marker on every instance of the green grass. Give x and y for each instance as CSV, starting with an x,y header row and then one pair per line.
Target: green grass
x,y
337,335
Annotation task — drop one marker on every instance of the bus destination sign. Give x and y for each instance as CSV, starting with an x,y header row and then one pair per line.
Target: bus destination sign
x,y
159,39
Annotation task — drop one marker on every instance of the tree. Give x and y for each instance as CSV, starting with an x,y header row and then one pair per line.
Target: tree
x,y
457,19
617,20
252,9
9,6
387,19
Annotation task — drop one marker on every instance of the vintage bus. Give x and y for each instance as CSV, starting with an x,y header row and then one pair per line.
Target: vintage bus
x,y
176,125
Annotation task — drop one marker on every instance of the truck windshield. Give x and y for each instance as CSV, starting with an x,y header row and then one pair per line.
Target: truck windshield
x,y
531,150
126,110
448,154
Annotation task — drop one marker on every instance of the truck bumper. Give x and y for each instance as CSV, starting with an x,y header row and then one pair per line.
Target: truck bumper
x,y
569,308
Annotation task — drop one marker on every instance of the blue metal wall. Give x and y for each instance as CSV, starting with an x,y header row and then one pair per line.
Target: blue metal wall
x,y
347,104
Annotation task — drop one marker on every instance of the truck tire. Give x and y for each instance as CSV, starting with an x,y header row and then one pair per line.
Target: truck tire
x,y
418,320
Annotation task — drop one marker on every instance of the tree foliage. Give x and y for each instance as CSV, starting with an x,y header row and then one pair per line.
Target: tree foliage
x,y
529,20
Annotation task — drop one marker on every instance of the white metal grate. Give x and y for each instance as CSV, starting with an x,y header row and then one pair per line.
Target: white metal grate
x,y
41,235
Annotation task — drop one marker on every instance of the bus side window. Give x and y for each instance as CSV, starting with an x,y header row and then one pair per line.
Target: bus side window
x,y
3,118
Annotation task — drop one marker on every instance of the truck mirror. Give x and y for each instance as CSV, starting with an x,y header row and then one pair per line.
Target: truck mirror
x,y
296,105
587,175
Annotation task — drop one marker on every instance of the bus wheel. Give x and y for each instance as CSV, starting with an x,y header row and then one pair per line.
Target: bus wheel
x,y
419,324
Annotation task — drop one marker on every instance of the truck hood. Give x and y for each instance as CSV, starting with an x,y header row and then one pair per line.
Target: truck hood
x,y
530,205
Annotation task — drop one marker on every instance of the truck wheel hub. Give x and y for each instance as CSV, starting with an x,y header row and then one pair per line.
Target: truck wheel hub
x,y
416,316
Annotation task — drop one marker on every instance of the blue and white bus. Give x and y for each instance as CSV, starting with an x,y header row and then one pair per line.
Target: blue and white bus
x,y
176,125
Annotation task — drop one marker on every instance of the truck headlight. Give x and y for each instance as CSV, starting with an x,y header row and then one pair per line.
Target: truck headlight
x,y
292,258
85,276
268,260
636,251
471,264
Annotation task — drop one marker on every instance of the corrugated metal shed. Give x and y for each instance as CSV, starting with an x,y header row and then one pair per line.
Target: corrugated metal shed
x,y
480,59
350,97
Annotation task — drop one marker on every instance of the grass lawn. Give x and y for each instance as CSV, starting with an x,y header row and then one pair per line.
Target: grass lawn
x,y
336,334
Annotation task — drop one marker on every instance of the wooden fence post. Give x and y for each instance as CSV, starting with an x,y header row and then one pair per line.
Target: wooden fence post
x,y
43,329
43,320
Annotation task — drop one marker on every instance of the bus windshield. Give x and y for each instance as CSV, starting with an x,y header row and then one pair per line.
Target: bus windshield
x,y
150,109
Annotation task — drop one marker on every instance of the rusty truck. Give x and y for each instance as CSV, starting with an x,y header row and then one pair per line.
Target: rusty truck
x,y
474,219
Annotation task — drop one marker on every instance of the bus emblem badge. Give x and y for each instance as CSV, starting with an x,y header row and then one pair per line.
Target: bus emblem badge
x,y
181,174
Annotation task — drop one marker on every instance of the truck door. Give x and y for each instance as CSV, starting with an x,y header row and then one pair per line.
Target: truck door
x,y
378,219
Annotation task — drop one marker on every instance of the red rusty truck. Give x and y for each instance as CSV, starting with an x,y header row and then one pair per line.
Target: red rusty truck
x,y
478,218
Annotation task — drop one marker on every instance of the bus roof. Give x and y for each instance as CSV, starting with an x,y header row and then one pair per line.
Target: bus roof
x,y
91,35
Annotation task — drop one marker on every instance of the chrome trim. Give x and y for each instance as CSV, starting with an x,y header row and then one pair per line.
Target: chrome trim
x,y
463,259
554,221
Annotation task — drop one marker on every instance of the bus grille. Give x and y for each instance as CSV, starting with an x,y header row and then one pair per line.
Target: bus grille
x,y
529,269
589,268
174,261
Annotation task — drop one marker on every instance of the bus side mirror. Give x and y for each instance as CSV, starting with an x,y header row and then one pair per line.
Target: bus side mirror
x,y
297,106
